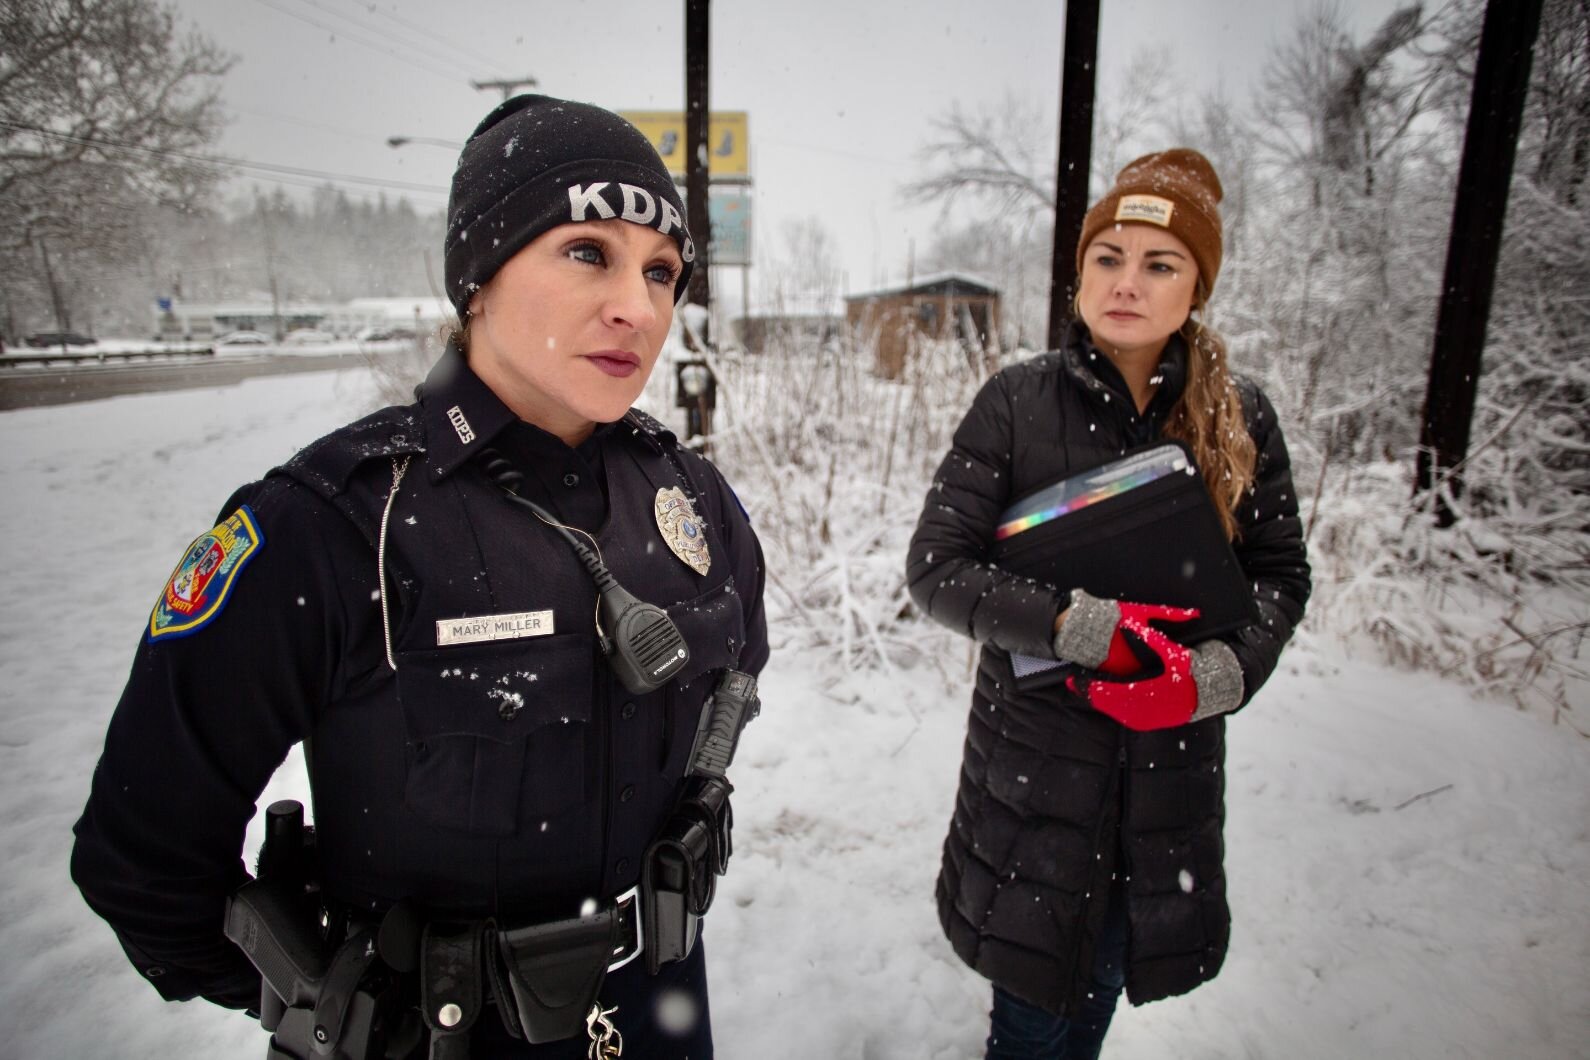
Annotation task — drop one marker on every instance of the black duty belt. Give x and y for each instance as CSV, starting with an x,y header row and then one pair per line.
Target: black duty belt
x,y
631,931
543,976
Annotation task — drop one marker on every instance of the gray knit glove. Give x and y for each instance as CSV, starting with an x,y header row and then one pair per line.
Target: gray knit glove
x,y
1182,684
1218,675
1091,635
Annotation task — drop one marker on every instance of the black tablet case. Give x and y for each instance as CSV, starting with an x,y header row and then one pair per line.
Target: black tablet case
x,y
1153,542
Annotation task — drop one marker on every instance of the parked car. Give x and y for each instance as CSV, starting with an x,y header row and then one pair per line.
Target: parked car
x,y
385,334
244,338
44,339
308,337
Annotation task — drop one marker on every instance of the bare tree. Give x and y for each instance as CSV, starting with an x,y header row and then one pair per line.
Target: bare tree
x,y
1003,156
1334,107
1353,189
107,109
1559,106
1000,160
802,273
1136,114
1000,155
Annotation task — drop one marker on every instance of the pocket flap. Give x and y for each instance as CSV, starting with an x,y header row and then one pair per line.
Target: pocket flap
x,y
713,625
502,691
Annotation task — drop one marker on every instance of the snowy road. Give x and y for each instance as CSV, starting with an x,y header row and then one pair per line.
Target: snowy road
x,y
37,387
1369,921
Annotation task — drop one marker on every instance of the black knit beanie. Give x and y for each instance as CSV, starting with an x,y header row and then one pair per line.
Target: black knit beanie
x,y
535,163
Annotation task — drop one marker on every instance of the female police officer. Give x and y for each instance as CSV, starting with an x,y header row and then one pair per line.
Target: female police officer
x,y
492,751
1085,850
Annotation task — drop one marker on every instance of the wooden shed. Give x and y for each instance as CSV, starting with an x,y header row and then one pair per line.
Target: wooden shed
x,y
946,305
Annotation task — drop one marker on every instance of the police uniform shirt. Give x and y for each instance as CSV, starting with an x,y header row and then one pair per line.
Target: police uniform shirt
x,y
509,775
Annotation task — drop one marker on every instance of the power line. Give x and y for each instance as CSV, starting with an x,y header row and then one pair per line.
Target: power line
x,y
450,75
422,48
341,130
465,53
218,160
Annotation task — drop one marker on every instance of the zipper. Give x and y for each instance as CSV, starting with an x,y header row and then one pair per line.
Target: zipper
x,y
1125,868
1077,971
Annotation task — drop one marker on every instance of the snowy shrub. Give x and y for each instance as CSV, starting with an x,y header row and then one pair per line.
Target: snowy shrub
x,y
832,463
1499,601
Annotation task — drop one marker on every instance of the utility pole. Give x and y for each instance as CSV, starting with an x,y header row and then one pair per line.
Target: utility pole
x,y
1496,109
266,214
698,116
63,320
505,87
1079,63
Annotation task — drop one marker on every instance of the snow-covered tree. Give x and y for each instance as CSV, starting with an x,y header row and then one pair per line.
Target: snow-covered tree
x,y
108,108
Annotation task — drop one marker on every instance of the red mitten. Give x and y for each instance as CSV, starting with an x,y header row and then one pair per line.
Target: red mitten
x,y
1143,703
1091,635
1125,657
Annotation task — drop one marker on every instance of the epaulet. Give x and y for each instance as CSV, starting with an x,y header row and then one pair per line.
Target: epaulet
x,y
647,425
328,464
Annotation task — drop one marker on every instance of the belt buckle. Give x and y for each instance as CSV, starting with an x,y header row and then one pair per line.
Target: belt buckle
x,y
631,941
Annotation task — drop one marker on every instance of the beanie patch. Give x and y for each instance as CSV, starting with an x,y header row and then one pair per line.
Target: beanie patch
x,y
636,205
1176,190
537,162
1150,209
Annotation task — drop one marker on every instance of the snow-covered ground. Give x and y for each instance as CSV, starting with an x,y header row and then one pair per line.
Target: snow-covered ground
x,y
1369,921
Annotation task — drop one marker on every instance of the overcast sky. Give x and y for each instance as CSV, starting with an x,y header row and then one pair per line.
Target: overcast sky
x,y
840,93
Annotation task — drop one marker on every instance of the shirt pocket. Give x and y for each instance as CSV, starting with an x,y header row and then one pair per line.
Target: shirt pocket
x,y
493,727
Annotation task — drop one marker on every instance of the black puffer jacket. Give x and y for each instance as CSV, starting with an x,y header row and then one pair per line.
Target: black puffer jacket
x,y
1053,795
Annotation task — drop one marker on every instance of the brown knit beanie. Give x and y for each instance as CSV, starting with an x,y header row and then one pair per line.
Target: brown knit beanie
x,y
1176,190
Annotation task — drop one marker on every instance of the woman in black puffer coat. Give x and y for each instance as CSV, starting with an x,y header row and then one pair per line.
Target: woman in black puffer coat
x,y
1085,853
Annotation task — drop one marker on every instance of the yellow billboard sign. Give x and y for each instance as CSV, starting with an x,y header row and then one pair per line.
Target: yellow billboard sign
x,y
728,154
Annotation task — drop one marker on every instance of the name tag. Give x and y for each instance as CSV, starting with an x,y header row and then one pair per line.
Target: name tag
x,y
451,631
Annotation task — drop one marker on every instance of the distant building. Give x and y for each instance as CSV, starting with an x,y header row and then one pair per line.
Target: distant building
x,y
422,314
946,305
202,321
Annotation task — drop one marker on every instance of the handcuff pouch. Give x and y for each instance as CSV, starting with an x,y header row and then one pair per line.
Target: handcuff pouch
x,y
554,971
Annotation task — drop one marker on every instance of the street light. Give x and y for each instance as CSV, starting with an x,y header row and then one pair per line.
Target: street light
x,y
399,141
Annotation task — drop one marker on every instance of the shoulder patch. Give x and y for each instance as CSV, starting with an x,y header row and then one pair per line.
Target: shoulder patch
x,y
198,588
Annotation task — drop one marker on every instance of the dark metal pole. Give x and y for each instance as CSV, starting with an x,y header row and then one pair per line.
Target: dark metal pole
x,y
63,320
1078,68
1496,108
697,118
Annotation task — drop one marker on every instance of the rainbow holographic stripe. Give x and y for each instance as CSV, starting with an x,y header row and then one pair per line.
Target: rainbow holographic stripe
x,y
1063,499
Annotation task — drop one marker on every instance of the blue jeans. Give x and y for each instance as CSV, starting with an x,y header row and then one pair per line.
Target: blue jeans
x,y
1020,1031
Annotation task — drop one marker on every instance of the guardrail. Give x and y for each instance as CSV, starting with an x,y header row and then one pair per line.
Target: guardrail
x,y
26,358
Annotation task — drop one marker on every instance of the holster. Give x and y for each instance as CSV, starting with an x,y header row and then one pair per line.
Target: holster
x,y
555,970
680,870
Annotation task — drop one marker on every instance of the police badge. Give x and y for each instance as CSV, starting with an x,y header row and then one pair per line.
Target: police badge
x,y
681,528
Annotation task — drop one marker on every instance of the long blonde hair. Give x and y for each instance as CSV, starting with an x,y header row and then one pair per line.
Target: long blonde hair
x,y
1208,417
